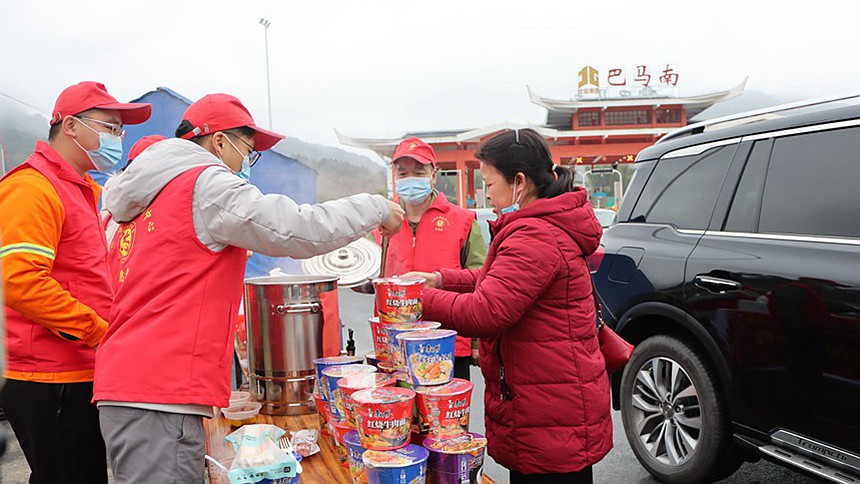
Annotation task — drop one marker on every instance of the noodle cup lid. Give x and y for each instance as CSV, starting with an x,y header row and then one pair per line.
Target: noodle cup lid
x,y
399,281
384,395
352,438
337,360
426,334
386,366
405,457
416,326
456,386
366,380
346,370
469,443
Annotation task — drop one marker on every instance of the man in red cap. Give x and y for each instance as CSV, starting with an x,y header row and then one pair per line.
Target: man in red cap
x,y
58,291
188,215
436,233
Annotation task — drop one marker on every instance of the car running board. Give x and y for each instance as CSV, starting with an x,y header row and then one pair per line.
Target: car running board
x,y
801,461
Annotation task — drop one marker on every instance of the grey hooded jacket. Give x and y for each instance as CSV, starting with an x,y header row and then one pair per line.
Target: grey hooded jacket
x,y
229,211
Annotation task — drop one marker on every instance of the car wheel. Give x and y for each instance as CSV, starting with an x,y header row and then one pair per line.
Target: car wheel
x,y
674,415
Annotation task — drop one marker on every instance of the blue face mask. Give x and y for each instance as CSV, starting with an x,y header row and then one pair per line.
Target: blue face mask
x,y
245,172
516,205
109,152
414,189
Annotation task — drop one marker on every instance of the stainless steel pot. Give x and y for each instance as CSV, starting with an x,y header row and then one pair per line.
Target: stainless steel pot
x,y
285,334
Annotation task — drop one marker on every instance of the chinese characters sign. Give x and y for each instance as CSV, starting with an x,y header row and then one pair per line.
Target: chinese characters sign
x,y
636,81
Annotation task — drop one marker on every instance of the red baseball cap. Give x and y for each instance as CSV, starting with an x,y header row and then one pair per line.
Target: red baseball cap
x,y
417,150
142,144
93,95
220,112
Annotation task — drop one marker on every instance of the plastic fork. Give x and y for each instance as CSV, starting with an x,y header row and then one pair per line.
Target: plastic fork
x,y
287,446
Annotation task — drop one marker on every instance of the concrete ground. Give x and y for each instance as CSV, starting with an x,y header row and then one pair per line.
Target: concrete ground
x,y
620,466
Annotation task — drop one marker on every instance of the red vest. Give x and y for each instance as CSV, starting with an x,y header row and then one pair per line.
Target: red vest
x,y
80,267
442,232
170,339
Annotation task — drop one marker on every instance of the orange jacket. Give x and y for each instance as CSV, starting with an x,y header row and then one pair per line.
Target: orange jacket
x,y
31,220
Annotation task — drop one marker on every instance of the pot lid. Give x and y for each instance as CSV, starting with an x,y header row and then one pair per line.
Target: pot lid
x,y
354,264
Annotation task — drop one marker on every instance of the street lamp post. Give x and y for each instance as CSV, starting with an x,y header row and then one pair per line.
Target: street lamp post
x,y
265,23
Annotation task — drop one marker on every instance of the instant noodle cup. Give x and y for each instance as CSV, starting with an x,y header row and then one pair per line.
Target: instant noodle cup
x,y
371,359
445,408
383,417
322,411
429,355
354,451
395,348
321,364
399,299
379,333
339,428
353,383
407,465
331,376
459,460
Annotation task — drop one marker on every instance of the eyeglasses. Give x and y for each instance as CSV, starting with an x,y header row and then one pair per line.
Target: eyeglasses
x,y
253,156
115,129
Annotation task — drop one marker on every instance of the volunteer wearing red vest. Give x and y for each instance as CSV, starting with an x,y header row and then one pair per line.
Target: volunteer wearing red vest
x,y
436,234
187,215
58,291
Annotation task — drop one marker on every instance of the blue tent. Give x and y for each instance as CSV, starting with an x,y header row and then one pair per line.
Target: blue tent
x,y
274,172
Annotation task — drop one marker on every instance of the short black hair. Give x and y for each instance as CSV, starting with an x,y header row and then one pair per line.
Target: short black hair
x,y
185,127
55,129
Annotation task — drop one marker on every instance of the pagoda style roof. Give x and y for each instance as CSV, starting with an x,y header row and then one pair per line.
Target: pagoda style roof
x,y
691,102
385,147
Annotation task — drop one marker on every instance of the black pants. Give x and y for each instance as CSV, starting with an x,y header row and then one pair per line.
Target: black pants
x,y
461,367
584,476
58,430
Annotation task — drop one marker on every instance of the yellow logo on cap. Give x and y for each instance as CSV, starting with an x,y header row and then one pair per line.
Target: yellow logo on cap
x,y
412,146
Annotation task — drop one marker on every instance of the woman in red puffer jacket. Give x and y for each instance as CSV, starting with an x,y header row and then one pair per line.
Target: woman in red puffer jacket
x,y
547,392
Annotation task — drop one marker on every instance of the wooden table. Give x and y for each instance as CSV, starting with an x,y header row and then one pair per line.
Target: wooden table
x,y
321,468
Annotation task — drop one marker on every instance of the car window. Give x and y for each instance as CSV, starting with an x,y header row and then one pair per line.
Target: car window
x,y
746,205
682,191
813,185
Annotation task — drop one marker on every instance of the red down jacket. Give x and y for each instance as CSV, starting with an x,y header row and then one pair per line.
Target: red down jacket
x,y
547,392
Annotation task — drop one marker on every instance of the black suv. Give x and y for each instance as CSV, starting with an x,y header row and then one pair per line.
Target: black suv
x,y
734,267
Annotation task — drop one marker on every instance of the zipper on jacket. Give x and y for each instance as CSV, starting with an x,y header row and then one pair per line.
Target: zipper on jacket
x,y
505,393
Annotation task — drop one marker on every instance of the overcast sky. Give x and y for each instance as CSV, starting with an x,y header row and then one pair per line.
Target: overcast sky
x,y
381,68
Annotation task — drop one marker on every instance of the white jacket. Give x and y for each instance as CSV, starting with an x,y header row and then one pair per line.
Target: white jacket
x,y
229,211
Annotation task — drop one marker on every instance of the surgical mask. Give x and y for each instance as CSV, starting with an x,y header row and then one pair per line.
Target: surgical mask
x,y
245,172
516,205
109,152
414,189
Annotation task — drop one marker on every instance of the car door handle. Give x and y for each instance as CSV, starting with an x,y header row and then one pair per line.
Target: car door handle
x,y
715,284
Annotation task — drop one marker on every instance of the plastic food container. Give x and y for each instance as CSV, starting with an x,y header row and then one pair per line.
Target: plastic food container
x,y
322,363
429,355
395,348
386,367
353,383
331,376
354,451
239,397
383,417
407,465
242,414
399,300
445,408
456,461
